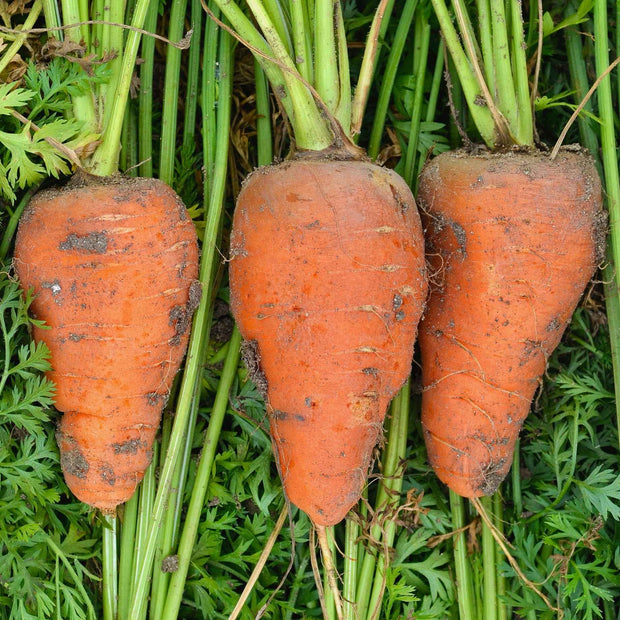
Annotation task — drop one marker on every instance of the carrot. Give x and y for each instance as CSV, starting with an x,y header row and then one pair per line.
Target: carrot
x,y
513,239
113,264
327,286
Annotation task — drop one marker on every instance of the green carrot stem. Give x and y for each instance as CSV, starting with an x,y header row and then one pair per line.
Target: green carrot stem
x,y
424,32
489,554
505,95
11,50
498,522
486,41
360,99
105,159
197,337
523,127
145,95
351,561
83,105
171,93
302,44
145,512
389,76
310,129
208,105
11,225
398,436
464,587
193,75
246,30
264,142
515,472
606,114
127,546
468,80
580,83
326,79
110,568
51,16
300,579
343,109
192,517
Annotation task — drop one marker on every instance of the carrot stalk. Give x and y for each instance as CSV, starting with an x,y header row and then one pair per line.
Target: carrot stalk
x,y
331,570
110,568
193,75
611,174
145,95
351,563
11,225
9,53
171,93
498,511
490,602
462,568
422,42
192,516
389,76
126,552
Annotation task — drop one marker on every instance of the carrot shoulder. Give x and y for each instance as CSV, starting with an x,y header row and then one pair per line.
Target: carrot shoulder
x,y
112,263
513,240
327,285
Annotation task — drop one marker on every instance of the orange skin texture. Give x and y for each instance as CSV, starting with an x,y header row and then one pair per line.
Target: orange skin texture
x,y
512,241
112,265
328,284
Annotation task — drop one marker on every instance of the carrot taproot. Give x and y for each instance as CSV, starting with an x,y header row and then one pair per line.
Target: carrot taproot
x,y
513,239
113,263
327,283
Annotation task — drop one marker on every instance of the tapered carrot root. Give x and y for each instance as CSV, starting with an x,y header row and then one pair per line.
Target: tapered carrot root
x,y
513,240
327,286
113,265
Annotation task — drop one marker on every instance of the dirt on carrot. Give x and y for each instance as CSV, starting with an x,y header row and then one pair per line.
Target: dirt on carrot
x,y
113,264
328,283
513,239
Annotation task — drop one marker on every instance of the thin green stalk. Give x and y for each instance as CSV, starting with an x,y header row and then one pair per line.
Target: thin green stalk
x,y
11,225
489,554
523,127
606,114
390,484
515,472
208,105
127,546
343,109
351,562
302,44
498,522
171,93
110,568
389,76
462,568
193,76
330,600
51,16
11,50
145,512
310,129
192,517
472,90
105,159
264,143
198,333
300,579
398,436
424,37
326,72
145,95
505,94
83,105
579,81
486,42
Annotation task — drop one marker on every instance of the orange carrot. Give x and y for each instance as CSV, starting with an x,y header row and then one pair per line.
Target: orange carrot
x,y
327,284
113,263
513,239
